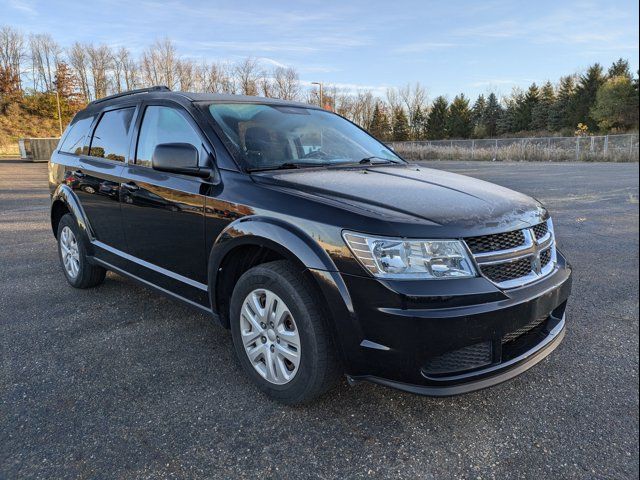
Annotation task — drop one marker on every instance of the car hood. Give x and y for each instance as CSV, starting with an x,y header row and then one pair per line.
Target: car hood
x,y
414,194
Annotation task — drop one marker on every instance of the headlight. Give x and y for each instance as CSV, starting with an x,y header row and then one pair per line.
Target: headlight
x,y
411,259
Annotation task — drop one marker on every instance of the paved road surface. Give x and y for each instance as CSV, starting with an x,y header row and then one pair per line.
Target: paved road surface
x,y
118,382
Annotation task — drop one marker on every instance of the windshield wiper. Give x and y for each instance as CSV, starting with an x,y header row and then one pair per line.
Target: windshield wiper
x,y
368,160
285,166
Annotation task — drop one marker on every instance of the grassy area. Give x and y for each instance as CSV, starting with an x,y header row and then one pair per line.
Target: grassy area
x,y
16,123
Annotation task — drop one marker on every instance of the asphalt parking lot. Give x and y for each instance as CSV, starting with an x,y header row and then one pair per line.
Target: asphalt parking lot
x,y
118,382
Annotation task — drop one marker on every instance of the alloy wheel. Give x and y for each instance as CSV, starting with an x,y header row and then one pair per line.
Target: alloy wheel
x,y
70,252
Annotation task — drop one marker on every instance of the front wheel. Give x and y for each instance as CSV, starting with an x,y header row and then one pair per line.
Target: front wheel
x,y
280,336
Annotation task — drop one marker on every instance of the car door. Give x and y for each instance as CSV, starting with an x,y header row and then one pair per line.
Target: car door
x,y
163,213
96,179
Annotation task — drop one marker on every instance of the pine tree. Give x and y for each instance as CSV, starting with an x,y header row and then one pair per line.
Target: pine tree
x,y
437,120
379,127
401,130
492,115
459,123
541,113
620,68
525,105
508,120
418,124
561,115
478,116
585,96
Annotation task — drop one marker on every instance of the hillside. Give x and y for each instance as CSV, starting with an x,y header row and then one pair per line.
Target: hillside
x,y
17,123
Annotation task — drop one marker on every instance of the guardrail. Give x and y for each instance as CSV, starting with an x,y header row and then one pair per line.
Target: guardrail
x,y
37,149
610,148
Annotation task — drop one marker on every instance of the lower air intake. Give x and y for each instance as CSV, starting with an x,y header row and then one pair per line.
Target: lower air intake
x,y
467,358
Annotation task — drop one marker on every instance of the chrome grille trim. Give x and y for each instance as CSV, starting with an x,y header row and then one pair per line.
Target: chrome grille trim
x,y
531,248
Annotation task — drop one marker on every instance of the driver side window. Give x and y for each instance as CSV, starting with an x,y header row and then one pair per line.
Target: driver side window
x,y
164,125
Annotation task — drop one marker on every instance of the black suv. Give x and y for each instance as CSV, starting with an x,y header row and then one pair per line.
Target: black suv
x,y
321,249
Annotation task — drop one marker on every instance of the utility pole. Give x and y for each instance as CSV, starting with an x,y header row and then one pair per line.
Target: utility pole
x,y
320,93
59,112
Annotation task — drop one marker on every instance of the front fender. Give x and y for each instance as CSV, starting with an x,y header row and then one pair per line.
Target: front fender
x,y
63,193
281,236
296,245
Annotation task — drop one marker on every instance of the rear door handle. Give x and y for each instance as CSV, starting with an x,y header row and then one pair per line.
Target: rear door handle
x,y
131,186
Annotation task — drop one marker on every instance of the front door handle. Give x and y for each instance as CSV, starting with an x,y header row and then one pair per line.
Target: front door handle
x,y
131,186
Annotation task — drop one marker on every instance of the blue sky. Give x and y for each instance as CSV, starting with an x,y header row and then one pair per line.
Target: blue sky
x,y
450,47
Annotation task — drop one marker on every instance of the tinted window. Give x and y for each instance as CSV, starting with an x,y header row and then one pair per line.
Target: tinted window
x,y
164,125
111,136
73,141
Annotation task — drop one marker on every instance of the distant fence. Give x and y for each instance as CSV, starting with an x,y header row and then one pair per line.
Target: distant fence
x,y
37,149
608,148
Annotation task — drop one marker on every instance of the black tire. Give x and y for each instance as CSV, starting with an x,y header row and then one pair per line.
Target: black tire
x,y
319,368
88,275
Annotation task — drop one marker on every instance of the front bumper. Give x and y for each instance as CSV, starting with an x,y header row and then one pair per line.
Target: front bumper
x,y
445,338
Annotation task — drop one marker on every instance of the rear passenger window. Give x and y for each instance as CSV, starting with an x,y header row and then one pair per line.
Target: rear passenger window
x,y
164,125
111,136
73,141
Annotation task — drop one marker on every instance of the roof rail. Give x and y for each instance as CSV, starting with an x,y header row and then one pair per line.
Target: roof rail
x,y
155,88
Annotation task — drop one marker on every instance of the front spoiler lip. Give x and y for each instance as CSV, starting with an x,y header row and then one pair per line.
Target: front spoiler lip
x,y
506,371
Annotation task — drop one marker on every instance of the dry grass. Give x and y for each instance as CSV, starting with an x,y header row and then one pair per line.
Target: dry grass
x,y
15,123
523,151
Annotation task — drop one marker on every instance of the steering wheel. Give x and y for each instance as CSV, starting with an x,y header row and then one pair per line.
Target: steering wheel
x,y
316,154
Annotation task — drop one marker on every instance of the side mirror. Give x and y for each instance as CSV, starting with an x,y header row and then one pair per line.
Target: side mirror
x,y
178,158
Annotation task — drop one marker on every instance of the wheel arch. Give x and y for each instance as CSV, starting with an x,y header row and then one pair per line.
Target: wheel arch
x,y
63,201
250,241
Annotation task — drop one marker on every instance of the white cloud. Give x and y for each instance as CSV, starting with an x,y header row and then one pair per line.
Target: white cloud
x,y
23,6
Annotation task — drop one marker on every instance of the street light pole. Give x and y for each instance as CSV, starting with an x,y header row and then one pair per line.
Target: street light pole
x,y
320,88
59,112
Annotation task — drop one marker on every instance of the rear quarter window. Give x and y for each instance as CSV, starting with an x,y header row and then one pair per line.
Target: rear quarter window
x,y
73,141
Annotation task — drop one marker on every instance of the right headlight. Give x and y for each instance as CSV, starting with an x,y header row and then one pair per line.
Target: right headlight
x,y
411,259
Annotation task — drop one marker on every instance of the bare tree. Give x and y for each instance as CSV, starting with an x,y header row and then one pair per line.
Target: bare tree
x,y
217,78
79,61
413,98
100,61
186,73
363,107
247,74
286,83
45,55
159,64
124,70
265,82
12,53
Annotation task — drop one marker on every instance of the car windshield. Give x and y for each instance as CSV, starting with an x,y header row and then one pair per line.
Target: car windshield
x,y
274,136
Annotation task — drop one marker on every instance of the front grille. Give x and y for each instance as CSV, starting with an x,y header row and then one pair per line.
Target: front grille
x,y
540,230
499,241
467,358
514,258
545,257
502,272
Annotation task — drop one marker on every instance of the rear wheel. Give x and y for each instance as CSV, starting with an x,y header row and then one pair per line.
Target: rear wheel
x,y
72,251
280,335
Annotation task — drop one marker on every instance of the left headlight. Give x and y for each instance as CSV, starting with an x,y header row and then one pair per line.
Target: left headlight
x,y
411,259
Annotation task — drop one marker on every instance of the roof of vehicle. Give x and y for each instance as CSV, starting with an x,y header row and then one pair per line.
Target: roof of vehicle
x,y
164,92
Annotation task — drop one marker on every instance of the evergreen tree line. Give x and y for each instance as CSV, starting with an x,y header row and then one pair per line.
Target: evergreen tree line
x,y
35,68
595,101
